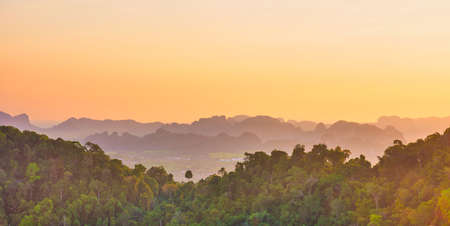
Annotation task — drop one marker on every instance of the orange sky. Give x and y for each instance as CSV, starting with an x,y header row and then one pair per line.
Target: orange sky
x,y
178,60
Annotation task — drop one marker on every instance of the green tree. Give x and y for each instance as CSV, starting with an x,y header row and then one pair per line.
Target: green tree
x,y
32,171
375,220
444,205
42,214
32,176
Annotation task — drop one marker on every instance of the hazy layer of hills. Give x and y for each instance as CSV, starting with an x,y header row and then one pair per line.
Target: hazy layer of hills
x,y
220,134
181,143
80,128
415,128
218,141
21,121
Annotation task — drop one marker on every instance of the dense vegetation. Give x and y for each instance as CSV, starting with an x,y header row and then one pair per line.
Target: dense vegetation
x,y
56,182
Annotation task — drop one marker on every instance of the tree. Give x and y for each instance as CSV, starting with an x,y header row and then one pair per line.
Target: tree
x,y
222,172
444,205
97,186
42,214
32,171
169,189
375,220
76,185
160,174
31,174
375,190
139,170
188,174
145,192
3,140
337,156
298,153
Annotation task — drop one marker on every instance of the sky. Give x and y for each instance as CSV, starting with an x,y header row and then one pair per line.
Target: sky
x,y
179,60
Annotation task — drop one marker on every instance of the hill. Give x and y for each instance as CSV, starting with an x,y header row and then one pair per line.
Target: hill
x,y
21,121
181,143
415,128
211,143
80,128
272,132
361,138
55,182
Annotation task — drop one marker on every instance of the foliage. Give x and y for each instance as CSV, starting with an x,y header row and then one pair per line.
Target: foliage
x,y
188,174
55,182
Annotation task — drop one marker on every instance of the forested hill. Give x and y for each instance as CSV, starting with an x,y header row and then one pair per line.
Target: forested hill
x,y
56,182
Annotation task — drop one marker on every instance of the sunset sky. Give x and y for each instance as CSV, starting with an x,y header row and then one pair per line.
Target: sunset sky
x,y
178,60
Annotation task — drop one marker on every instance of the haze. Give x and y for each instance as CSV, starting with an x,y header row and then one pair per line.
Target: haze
x,y
181,60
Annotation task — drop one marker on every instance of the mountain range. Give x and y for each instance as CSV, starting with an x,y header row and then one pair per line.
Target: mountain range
x,y
242,132
224,134
415,128
21,121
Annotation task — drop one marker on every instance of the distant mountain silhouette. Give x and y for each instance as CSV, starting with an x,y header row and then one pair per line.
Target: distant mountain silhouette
x,y
268,128
181,143
202,137
265,127
21,121
360,138
204,126
80,128
239,118
221,133
305,125
415,128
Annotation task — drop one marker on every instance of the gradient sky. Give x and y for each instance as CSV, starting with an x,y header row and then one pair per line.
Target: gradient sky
x,y
178,60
